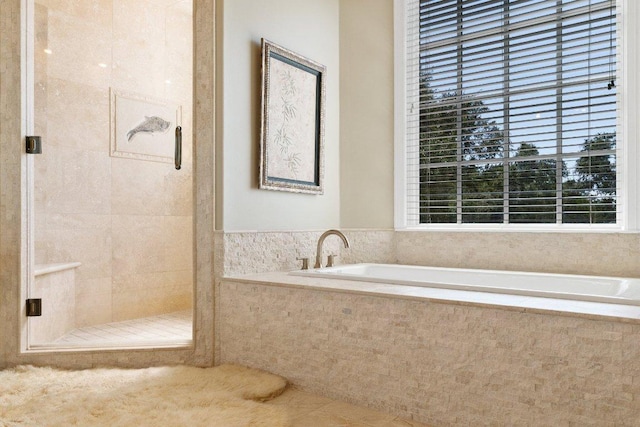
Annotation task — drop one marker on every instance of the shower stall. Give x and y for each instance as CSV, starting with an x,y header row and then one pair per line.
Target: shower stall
x,y
110,196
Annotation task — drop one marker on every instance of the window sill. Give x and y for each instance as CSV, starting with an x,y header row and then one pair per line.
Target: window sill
x,y
516,228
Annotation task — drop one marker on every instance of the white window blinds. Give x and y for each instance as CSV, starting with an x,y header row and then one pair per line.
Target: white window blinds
x,y
511,112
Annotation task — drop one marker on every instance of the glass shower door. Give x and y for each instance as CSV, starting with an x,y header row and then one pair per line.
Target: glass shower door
x,y
112,208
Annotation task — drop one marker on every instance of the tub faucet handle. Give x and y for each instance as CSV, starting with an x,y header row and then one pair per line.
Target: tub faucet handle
x,y
331,260
305,263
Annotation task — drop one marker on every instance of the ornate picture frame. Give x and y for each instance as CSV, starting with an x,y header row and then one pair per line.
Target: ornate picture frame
x,y
292,122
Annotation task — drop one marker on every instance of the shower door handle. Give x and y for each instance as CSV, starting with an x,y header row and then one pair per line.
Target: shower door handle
x,y
178,157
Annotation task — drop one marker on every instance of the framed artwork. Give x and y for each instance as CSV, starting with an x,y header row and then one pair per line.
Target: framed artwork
x,y
143,127
292,125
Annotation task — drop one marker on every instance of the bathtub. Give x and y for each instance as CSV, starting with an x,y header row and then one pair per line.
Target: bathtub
x,y
564,286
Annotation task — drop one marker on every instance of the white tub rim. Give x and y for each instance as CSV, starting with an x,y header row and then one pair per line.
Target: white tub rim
x,y
633,297
482,300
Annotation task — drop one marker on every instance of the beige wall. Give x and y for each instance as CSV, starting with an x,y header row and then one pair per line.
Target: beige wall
x,y
128,221
366,113
310,28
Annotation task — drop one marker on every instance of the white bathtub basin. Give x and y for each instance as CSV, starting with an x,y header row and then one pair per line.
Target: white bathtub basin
x,y
584,288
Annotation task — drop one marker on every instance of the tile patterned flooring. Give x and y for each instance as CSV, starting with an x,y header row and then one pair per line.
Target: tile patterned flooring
x,y
311,410
171,328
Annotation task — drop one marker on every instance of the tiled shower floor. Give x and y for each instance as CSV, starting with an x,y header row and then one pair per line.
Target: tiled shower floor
x,y
166,329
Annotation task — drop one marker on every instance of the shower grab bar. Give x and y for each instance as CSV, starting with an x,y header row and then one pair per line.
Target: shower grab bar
x,y
178,158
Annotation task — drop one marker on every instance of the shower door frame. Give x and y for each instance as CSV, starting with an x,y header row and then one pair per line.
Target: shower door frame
x,y
201,351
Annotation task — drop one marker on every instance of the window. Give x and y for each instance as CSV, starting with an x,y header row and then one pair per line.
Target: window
x,y
511,112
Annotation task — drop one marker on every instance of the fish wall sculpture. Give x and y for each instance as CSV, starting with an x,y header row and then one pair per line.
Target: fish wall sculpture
x,y
153,124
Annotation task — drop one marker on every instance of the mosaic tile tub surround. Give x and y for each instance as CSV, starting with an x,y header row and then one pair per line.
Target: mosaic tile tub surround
x,y
599,254
440,363
239,253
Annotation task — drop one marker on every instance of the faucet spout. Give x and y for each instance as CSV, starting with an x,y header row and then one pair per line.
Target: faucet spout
x,y
321,242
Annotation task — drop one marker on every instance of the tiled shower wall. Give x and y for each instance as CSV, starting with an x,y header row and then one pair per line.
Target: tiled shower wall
x,y
128,221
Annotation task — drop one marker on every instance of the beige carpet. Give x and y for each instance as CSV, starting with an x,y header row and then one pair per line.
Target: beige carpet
x,y
225,396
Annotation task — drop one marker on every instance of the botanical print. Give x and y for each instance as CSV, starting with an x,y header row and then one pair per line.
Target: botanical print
x,y
292,128
292,121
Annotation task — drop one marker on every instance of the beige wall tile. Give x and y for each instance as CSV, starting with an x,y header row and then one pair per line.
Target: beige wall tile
x,y
443,364
77,116
138,186
178,243
90,246
151,188
73,182
251,252
57,291
254,252
177,191
177,58
78,45
138,47
97,11
41,77
132,304
376,246
138,244
604,254
149,294
143,282
63,221
93,302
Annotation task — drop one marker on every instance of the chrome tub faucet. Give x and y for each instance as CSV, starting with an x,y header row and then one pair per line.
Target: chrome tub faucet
x,y
321,242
